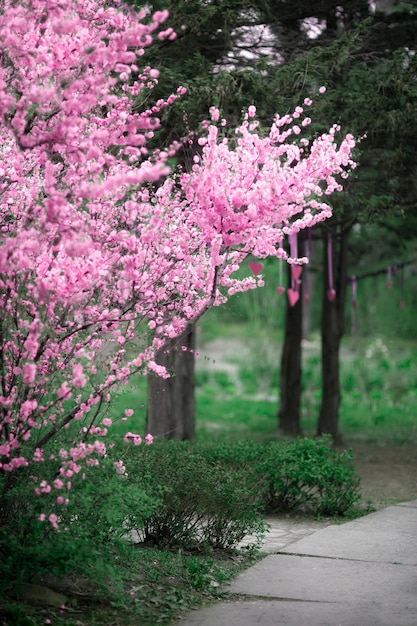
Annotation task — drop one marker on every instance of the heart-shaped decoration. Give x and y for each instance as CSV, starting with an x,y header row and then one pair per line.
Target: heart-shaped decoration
x,y
293,296
296,271
280,290
307,297
256,267
331,294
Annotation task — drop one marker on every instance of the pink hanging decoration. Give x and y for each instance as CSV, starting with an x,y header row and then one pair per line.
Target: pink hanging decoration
x,y
307,250
293,296
293,253
293,292
293,240
256,267
296,272
331,292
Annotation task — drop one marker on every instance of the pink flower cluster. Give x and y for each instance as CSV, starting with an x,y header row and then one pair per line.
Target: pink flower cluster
x,y
91,257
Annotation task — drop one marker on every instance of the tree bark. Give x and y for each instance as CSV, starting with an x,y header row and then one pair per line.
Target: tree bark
x,y
290,373
332,329
171,403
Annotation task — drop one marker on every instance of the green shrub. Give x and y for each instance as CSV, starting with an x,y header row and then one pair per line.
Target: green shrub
x,y
309,474
201,503
92,527
303,474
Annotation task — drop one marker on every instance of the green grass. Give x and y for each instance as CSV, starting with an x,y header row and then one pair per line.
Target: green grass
x,y
234,417
158,587
379,392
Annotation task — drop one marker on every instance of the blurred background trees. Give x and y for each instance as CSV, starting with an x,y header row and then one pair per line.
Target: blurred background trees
x,y
273,54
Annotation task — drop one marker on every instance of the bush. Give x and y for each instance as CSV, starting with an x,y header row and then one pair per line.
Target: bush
x,y
303,474
201,502
91,535
308,474
212,494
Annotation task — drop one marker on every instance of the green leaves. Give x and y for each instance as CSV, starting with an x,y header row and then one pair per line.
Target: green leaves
x,y
305,475
203,503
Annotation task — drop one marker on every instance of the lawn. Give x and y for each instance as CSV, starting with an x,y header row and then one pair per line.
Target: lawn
x,y
237,389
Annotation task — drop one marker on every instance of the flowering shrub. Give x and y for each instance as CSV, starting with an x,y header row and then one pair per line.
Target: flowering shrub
x,y
96,248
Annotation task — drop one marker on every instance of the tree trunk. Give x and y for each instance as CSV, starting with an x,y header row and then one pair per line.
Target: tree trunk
x,y
332,328
171,404
290,374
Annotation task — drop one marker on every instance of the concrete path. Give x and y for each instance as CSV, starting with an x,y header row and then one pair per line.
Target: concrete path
x,y
361,573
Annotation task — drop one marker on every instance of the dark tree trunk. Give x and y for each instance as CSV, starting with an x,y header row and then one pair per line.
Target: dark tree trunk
x,y
171,404
290,373
332,328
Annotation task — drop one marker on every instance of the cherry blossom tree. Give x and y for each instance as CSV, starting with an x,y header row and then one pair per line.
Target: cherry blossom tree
x,y
105,255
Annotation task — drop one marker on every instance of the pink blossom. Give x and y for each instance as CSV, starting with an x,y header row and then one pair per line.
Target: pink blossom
x,y
64,391
27,408
38,455
131,437
120,468
214,113
79,380
29,373
54,520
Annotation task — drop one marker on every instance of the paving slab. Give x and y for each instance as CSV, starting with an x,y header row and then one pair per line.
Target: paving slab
x,y
387,536
362,573
288,613
282,531
316,579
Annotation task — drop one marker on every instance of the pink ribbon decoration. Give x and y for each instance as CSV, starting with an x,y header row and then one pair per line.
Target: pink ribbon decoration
x,y
293,253
331,293
293,245
307,250
293,293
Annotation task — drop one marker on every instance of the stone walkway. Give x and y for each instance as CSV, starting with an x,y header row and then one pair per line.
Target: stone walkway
x,y
285,530
359,573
